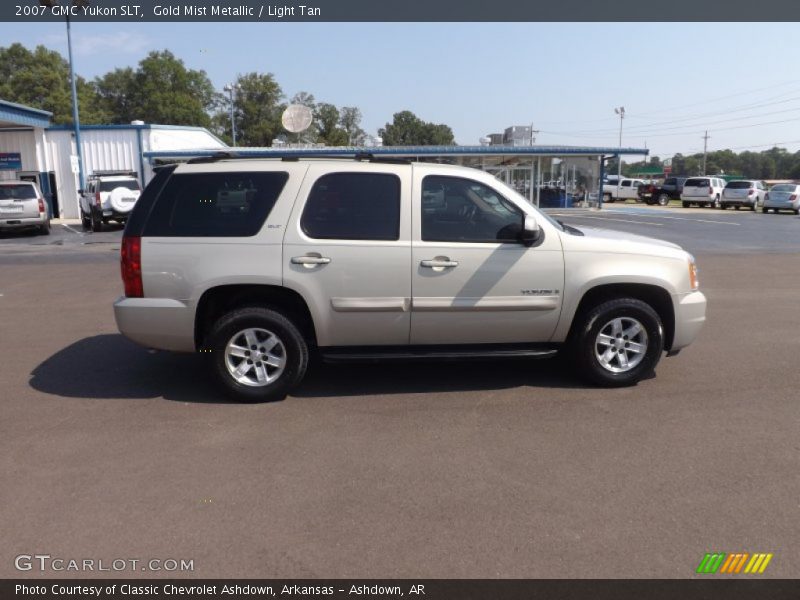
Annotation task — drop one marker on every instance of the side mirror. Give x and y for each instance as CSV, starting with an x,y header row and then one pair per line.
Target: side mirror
x,y
530,231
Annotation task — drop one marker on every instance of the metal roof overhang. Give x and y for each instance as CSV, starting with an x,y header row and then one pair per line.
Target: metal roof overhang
x,y
16,115
404,151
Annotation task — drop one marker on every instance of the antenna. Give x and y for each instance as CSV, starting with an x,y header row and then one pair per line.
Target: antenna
x,y
296,118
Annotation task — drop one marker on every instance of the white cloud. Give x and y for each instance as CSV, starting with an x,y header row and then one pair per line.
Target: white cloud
x,y
118,42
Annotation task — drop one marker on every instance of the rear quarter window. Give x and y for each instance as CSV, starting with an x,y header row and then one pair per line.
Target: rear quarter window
x,y
228,204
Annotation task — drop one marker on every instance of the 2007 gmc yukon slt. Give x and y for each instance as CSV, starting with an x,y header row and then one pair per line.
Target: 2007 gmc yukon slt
x,y
259,262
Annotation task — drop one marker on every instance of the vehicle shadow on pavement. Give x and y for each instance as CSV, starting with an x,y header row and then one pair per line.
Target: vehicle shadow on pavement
x,y
111,367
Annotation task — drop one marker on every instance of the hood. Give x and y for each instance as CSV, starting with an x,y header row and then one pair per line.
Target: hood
x,y
595,239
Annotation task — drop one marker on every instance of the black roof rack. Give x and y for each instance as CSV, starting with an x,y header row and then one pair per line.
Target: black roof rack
x,y
113,173
295,156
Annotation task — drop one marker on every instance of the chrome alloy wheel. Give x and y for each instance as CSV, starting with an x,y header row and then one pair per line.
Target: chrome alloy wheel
x,y
621,344
255,357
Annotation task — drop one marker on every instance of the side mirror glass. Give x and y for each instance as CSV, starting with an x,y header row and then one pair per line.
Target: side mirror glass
x,y
530,231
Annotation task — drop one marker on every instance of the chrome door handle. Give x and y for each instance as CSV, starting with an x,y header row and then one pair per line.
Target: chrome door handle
x,y
310,260
438,263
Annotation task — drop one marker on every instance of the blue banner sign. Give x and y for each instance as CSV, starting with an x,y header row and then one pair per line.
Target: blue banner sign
x,y
10,161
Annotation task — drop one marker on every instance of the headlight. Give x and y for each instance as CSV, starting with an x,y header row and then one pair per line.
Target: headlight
x,y
694,282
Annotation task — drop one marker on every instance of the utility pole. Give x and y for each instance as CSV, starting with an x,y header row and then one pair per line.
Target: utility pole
x,y
533,134
621,112
705,149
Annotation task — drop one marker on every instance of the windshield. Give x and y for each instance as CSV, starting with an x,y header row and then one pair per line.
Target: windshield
x,y
20,191
739,185
783,187
108,186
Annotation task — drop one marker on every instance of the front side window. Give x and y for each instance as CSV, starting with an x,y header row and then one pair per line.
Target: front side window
x,y
626,183
455,209
353,206
221,204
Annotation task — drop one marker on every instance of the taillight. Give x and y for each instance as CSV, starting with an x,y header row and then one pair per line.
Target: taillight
x,y
750,192
711,191
41,206
793,197
131,266
97,202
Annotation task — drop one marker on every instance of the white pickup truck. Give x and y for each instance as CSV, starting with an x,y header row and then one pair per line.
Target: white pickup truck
x,y
621,189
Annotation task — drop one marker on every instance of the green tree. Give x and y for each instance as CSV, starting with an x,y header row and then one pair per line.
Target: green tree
x,y
406,129
350,121
326,117
257,109
40,79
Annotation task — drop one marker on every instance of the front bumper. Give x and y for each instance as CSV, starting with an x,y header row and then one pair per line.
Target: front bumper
x,y
690,316
156,322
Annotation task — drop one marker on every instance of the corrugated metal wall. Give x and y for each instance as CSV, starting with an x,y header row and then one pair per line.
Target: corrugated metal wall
x,y
23,142
103,150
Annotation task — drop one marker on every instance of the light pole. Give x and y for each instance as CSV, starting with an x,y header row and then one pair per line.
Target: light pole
x,y
75,117
621,112
231,89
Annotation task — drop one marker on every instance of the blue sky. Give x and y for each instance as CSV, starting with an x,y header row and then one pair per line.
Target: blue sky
x,y
675,80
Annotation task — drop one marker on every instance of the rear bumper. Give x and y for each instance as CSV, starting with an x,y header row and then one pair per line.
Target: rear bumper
x,y
156,322
690,316
782,205
8,222
737,202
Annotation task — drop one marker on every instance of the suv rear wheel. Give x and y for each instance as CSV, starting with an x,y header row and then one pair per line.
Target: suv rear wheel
x,y
258,354
619,342
663,199
96,222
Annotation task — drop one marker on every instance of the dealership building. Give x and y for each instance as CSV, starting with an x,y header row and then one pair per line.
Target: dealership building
x,y
32,149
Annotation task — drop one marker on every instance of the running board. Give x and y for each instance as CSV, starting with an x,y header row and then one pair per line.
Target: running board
x,y
336,355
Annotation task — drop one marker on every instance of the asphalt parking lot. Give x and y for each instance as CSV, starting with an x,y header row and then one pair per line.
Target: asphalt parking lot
x,y
489,469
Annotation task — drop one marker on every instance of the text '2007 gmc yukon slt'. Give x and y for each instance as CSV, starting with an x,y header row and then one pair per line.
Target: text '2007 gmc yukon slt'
x,y
260,262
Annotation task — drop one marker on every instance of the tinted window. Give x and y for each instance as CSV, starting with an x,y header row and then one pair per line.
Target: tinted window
x,y
215,204
353,206
739,185
626,183
697,183
463,210
20,191
783,187
108,186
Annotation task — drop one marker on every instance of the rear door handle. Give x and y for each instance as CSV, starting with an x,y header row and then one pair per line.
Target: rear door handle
x,y
310,260
439,263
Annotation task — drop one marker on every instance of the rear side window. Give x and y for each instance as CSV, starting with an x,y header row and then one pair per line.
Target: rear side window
x,y
20,191
110,186
353,206
215,204
697,183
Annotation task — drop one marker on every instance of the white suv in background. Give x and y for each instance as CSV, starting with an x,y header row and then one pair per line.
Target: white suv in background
x,y
22,206
109,196
703,191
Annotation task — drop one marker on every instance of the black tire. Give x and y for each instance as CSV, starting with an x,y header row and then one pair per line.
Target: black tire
x,y
663,199
736,207
797,211
686,204
754,208
86,222
45,229
764,210
96,223
608,198
584,343
294,350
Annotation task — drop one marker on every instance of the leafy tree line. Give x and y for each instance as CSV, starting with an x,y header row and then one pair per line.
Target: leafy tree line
x,y
775,163
161,89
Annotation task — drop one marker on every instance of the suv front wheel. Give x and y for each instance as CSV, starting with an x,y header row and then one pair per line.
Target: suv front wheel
x,y
258,354
619,342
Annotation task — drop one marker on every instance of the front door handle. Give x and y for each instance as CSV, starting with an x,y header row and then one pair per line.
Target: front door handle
x,y
310,260
438,263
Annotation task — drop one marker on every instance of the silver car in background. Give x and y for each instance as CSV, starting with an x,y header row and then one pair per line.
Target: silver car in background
x,y
747,192
782,196
22,206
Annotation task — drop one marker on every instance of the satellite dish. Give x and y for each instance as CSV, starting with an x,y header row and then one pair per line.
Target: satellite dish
x,y
296,118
